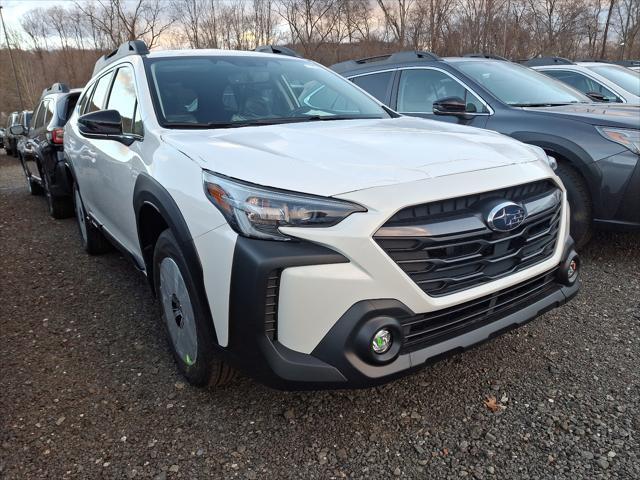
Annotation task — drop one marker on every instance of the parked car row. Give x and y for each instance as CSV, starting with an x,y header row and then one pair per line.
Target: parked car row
x,y
596,145
298,228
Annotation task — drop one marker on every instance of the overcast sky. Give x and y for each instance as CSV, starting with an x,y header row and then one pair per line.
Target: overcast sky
x,y
14,9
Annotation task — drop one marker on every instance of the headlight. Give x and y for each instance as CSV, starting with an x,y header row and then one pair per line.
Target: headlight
x,y
259,212
624,136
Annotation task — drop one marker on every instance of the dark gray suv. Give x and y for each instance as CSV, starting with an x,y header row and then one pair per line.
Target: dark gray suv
x,y
597,146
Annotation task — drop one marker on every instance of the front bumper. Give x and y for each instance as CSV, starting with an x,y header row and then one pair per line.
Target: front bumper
x,y
337,361
312,283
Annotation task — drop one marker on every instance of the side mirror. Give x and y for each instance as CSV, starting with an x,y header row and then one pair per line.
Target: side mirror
x,y
104,125
17,130
450,106
596,97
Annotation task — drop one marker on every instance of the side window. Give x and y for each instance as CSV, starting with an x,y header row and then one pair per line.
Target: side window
x,y
418,90
82,107
123,98
99,94
49,112
38,117
583,83
377,84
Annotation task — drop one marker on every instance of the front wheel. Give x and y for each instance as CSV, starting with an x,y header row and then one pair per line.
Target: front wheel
x,y
580,203
184,315
92,239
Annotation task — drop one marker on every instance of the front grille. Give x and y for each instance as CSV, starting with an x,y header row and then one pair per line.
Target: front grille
x,y
423,330
446,247
271,305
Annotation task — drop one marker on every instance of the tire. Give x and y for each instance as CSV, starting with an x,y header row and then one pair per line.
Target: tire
x,y
92,239
580,203
185,317
59,207
32,185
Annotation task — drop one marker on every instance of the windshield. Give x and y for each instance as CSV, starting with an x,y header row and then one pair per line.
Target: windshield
x,y
215,92
621,76
520,86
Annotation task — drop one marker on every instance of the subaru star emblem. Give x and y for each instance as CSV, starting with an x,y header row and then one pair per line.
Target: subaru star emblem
x,y
506,216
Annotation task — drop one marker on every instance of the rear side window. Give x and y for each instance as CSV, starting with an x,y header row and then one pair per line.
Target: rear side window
x,y
377,84
123,98
99,94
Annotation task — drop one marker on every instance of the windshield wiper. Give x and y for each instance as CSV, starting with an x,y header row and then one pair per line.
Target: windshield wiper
x,y
324,118
548,104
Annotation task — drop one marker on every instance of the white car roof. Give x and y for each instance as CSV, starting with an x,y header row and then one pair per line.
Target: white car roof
x,y
212,52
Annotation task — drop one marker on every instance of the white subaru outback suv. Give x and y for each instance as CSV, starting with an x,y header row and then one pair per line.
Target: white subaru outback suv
x,y
294,228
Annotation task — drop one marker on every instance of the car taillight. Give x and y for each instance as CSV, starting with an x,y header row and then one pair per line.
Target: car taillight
x,y
57,136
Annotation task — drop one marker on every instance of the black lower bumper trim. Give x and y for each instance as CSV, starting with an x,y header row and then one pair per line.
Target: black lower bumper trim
x,y
338,360
250,347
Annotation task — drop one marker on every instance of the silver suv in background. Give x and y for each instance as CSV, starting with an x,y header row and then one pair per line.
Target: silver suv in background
x,y
599,80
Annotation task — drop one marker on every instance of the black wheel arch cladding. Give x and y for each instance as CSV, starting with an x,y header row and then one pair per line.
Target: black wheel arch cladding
x,y
149,194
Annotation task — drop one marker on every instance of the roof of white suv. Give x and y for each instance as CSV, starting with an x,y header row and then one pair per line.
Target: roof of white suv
x,y
208,52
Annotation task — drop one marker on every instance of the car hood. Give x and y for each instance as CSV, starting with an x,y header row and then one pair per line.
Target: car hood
x,y
333,157
614,115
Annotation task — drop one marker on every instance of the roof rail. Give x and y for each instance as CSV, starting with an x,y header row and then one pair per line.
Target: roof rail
x,y
628,63
594,60
390,58
540,61
133,47
55,88
488,56
278,50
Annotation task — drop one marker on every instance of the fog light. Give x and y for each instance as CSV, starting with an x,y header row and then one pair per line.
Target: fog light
x,y
382,341
569,270
572,270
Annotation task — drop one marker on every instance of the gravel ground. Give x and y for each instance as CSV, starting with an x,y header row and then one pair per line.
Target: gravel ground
x,y
88,388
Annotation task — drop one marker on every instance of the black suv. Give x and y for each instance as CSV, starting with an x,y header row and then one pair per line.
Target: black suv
x,y
42,157
597,146
10,141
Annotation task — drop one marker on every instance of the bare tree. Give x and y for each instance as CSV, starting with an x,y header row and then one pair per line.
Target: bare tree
x,y
120,20
396,14
606,28
628,27
308,21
